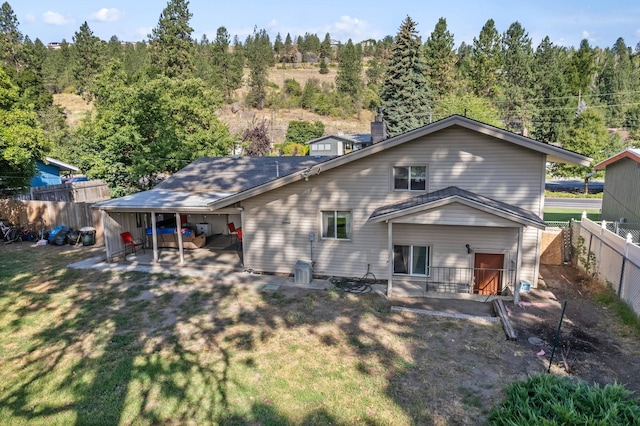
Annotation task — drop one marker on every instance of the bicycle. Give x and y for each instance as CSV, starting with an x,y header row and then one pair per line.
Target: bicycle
x,y
10,234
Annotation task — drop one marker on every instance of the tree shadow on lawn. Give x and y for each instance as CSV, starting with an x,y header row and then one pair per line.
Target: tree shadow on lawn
x,y
90,347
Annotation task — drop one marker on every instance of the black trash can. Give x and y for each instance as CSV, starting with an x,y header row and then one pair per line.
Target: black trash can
x,y
88,235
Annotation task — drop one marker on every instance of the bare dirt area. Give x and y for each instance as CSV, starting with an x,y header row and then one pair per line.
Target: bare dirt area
x,y
593,345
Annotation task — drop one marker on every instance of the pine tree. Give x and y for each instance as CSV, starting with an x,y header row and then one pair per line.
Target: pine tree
x,y
551,92
349,76
581,69
88,59
10,37
440,59
227,71
325,47
485,60
260,57
170,41
516,79
405,94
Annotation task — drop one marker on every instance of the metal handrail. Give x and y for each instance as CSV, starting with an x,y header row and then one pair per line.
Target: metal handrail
x,y
446,279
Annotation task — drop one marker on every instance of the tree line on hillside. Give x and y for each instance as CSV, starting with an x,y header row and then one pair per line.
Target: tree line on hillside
x,y
155,101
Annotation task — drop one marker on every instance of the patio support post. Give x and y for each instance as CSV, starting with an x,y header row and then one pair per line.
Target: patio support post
x,y
154,237
390,260
180,244
106,231
518,259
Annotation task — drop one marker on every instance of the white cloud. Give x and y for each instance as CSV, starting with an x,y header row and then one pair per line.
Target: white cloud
x,y
106,15
638,32
272,24
54,18
349,28
31,18
585,34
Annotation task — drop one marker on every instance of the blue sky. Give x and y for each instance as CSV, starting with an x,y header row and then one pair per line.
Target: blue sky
x,y
566,22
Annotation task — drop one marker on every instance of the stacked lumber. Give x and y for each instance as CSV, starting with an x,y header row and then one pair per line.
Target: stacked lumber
x,y
501,312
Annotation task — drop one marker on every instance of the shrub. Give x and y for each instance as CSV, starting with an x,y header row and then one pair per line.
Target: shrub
x,y
549,400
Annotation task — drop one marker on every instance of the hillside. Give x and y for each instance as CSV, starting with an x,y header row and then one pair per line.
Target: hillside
x,y
238,121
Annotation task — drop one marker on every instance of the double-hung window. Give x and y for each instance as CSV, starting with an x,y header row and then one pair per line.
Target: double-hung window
x,y
411,260
336,224
409,178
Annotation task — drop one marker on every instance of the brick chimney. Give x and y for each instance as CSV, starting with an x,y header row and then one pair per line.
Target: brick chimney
x,y
378,128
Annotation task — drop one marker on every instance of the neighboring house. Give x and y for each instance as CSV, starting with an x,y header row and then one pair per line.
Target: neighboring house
x,y
621,197
331,145
48,172
455,206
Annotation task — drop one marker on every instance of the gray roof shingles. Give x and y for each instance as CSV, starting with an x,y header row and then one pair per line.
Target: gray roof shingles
x,y
235,174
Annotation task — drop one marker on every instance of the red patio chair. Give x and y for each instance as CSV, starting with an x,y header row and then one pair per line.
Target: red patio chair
x,y
130,243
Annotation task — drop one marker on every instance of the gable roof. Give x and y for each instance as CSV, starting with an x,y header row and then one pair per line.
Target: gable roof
x,y
631,153
61,165
453,194
553,153
342,138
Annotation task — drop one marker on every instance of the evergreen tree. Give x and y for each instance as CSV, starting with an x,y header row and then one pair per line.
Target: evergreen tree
x,y
10,37
227,70
33,55
616,84
440,59
304,131
278,46
88,59
325,47
553,98
349,76
485,60
581,69
288,50
260,57
516,78
170,41
405,95
324,68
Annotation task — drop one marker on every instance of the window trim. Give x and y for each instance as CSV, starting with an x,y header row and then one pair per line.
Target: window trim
x,y
349,224
409,167
428,265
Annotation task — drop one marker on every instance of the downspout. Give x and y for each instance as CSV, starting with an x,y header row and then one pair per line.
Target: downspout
x,y
390,259
180,245
516,288
154,237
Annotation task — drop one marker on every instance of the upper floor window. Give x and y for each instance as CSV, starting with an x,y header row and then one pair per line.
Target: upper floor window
x,y
410,178
336,225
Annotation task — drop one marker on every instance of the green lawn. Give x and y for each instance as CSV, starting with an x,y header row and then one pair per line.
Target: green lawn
x,y
92,347
565,214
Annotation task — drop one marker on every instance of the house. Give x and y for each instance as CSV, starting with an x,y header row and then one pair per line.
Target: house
x,y
343,144
621,196
454,206
48,172
331,145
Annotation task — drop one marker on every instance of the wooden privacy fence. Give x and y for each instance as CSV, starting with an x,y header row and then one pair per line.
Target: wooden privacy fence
x,y
89,192
54,213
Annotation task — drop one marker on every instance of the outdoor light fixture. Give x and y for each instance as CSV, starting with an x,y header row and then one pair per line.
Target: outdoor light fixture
x,y
469,249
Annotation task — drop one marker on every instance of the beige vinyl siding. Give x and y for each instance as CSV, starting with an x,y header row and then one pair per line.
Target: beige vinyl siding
x,y
456,214
277,224
448,244
621,196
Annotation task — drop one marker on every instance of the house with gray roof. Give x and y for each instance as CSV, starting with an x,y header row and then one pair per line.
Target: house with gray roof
x,y
454,207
